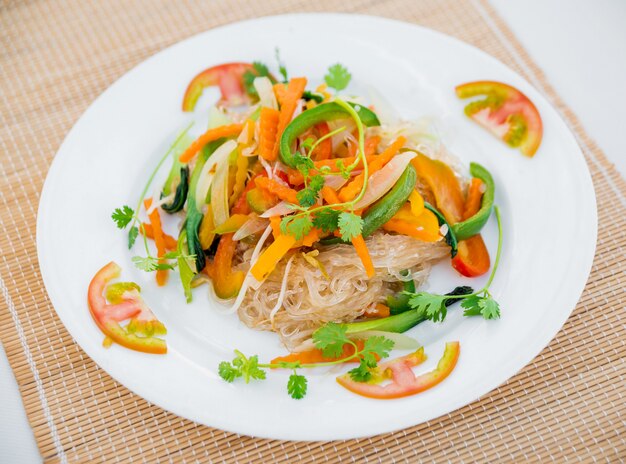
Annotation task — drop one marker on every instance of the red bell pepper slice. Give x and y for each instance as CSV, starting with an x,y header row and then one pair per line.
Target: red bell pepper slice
x,y
472,257
403,379
125,304
229,78
505,112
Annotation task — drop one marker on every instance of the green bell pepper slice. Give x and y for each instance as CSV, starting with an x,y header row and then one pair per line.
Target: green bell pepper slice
x,y
385,208
309,118
474,224
194,207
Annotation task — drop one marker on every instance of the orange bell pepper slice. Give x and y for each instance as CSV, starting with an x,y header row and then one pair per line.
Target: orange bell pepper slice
x,y
444,185
226,283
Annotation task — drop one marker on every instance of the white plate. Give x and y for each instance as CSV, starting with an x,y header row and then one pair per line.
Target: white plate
x,y
547,202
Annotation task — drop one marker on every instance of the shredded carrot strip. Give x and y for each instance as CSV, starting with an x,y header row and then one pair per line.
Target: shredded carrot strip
x,y
288,106
159,240
278,189
330,196
209,136
267,132
332,163
364,254
310,238
474,198
280,90
315,355
170,242
325,147
353,188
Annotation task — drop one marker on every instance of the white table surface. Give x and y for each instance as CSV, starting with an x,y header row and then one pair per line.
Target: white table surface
x,y
581,47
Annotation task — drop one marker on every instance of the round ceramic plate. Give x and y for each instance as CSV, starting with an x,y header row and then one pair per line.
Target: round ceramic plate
x,y
547,203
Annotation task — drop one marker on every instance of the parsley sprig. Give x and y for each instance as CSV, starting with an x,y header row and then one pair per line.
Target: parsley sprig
x,y
331,339
480,303
127,216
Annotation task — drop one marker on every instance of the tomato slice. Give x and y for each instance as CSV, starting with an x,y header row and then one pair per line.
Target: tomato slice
x,y
505,112
126,304
403,380
229,78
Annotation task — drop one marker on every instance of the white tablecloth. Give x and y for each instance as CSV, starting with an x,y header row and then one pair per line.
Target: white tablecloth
x,y
579,44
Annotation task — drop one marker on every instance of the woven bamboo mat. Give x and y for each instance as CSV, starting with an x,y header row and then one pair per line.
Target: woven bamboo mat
x,y
56,57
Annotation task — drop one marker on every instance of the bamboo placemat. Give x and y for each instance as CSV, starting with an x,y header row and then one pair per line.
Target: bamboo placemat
x,y
56,57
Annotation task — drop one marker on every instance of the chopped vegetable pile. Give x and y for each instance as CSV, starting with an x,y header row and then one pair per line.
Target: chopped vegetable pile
x,y
292,175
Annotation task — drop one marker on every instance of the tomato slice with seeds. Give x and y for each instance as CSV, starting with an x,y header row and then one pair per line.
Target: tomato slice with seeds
x,y
505,112
228,77
404,382
125,304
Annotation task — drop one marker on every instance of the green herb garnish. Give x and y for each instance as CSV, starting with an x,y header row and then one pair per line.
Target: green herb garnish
x,y
337,77
331,339
480,303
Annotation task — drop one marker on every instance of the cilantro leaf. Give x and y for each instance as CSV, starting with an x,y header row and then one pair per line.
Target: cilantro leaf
x,y
150,264
308,196
260,70
298,226
429,305
251,370
490,309
303,163
361,373
228,372
132,236
337,77
471,306
326,219
281,66
484,306
343,170
350,225
330,338
297,386
122,216
378,345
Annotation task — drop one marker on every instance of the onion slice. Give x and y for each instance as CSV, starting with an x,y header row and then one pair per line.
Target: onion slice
x,y
265,90
334,182
251,226
206,176
381,181
401,341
